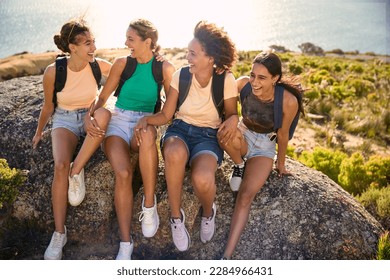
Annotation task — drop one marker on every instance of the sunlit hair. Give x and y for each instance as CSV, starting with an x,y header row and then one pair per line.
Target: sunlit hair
x,y
69,34
217,44
145,29
274,66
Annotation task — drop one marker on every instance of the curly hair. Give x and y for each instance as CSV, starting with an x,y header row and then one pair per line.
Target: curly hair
x,y
69,32
217,44
145,29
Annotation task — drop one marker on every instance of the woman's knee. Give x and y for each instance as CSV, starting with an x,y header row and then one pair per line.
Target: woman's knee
x,y
174,153
203,182
102,116
149,136
62,165
124,173
245,198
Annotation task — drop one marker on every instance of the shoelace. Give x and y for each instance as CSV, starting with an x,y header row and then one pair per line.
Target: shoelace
x,y
147,215
206,225
238,171
74,187
178,231
57,240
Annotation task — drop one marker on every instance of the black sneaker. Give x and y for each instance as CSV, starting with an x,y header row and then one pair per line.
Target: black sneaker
x,y
236,177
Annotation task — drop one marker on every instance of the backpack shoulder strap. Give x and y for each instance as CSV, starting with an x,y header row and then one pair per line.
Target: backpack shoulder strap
x,y
184,85
60,77
245,91
97,73
278,107
131,65
218,86
157,70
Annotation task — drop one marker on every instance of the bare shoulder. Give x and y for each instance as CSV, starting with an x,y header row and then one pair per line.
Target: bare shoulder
x,y
50,71
120,61
168,66
290,100
103,62
104,65
241,82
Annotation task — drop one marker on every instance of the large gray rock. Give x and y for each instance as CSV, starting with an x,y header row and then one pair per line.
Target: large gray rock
x,y
304,216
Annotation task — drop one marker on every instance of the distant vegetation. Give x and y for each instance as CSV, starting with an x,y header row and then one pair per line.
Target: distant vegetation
x,y
352,96
10,180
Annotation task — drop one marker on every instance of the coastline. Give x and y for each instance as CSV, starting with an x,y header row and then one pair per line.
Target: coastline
x,y
25,64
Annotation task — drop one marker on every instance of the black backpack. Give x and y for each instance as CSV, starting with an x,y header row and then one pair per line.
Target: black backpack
x,y
217,86
157,70
61,73
278,107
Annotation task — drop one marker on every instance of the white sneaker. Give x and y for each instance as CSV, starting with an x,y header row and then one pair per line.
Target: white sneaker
x,y
236,177
149,219
76,191
207,226
125,251
180,235
54,250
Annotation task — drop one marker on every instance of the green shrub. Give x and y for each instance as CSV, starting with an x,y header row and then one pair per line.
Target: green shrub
x,y
376,201
356,68
352,175
324,160
378,171
10,180
312,94
322,75
295,68
384,247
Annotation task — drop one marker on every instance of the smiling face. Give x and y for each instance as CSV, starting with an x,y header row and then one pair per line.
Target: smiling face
x,y
197,58
84,47
261,80
135,43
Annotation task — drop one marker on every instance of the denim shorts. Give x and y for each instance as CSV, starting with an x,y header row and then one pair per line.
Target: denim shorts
x,y
198,140
122,123
259,144
71,120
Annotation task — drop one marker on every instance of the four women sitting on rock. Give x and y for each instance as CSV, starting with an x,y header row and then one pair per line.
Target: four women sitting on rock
x,y
201,106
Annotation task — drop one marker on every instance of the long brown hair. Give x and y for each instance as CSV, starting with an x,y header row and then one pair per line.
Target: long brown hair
x,y
274,66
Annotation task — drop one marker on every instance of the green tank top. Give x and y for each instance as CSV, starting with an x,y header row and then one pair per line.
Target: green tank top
x,y
139,92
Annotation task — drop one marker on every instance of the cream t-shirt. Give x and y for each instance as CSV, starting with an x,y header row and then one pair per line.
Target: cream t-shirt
x,y
198,108
80,89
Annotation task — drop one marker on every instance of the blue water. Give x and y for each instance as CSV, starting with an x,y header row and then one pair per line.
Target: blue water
x,y
350,25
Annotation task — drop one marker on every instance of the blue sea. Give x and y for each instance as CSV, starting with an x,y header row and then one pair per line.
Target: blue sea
x,y
349,25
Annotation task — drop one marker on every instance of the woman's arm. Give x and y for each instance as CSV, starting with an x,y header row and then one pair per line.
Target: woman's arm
x,y
290,109
228,128
168,70
111,84
241,82
105,67
48,105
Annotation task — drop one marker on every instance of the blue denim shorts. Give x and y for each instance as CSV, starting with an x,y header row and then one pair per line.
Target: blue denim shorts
x,y
259,144
198,140
71,120
122,123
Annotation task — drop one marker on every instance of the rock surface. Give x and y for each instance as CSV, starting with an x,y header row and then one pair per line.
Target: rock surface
x,y
304,216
